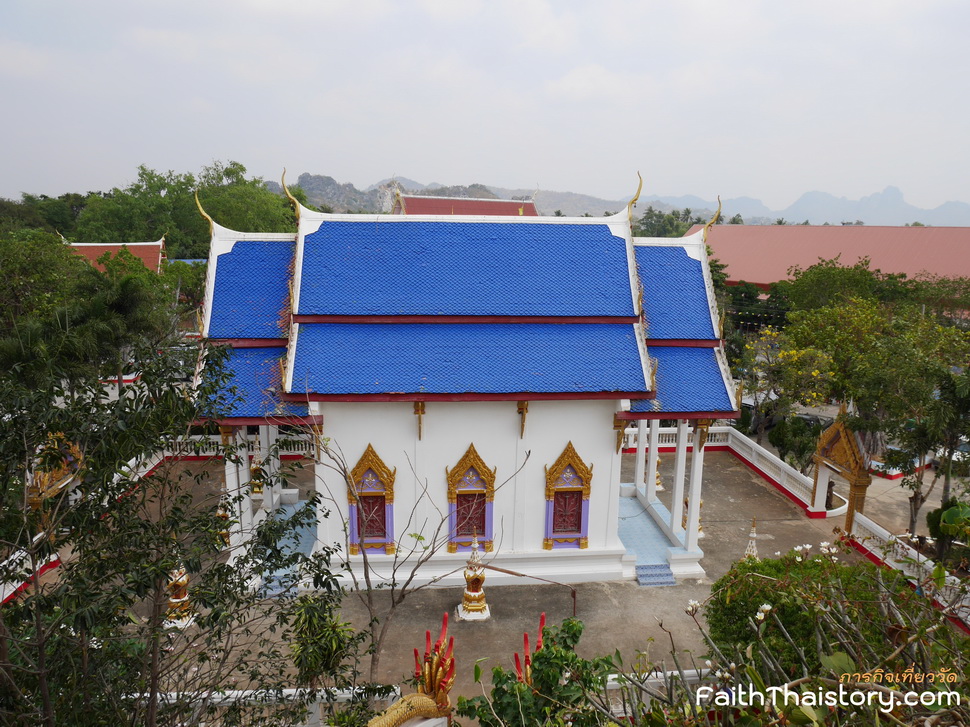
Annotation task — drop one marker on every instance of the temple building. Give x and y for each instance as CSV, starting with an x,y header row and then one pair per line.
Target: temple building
x,y
475,373
415,204
152,254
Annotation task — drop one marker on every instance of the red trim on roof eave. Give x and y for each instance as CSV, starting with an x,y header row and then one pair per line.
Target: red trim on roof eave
x,y
268,419
684,342
637,416
462,319
252,342
475,396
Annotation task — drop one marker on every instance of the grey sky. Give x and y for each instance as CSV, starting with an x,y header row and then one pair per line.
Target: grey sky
x,y
766,99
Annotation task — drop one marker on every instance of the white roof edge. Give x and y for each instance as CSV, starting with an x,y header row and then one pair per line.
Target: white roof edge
x,y
119,244
709,286
222,241
688,241
696,248
306,219
320,217
720,355
290,358
645,361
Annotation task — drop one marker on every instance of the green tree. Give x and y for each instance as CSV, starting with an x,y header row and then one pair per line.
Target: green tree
x,y
776,375
556,690
157,205
92,642
796,440
829,282
654,223
16,216
792,614
58,213
889,361
39,271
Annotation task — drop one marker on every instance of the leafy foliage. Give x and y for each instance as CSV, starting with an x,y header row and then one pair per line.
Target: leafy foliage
x,y
561,683
91,643
157,205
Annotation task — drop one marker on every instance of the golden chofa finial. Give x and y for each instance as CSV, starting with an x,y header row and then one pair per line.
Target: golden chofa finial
x,y
632,203
212,222
714,219
293,200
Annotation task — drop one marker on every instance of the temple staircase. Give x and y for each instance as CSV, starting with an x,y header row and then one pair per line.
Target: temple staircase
x,y
655,574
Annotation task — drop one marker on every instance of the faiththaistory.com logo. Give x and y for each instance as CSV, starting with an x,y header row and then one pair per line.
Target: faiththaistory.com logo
x,y
843,695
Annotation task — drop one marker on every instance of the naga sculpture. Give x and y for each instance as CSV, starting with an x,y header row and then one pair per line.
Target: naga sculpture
x,y
435,675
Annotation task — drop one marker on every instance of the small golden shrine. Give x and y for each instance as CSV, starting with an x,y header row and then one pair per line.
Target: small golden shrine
x,y
179,613
58,463
435,674
473,606
840,449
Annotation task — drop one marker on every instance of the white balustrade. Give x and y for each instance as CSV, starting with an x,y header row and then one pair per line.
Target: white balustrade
x,y
799,486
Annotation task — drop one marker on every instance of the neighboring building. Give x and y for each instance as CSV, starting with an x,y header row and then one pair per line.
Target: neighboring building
x,y
763,254
414,204
477,372
150,253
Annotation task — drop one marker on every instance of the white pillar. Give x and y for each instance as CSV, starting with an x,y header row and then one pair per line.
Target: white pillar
x,y
694,498
680,469
653,452
232,491
268,436
638,470
237,490
821,488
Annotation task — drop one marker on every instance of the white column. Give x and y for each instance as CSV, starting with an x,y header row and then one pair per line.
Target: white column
x,y
680,469
330,530
694,498
638,470
653,452
232,491
237,489
821,489
268,434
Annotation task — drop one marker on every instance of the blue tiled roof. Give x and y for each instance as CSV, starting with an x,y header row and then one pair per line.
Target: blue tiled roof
x,y
413,267
674,294
688,380
336,358
251,290
255,374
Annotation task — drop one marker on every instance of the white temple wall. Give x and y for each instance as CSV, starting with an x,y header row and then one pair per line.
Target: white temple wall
x,y
448,428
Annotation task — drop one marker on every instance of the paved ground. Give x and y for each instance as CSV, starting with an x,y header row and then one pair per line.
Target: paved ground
x,y
619,615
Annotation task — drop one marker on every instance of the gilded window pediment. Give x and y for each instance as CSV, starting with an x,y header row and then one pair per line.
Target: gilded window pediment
x,y
471,473
371,476
569,471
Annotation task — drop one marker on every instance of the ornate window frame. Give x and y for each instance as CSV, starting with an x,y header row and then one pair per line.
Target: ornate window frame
x,y
458,483
358,487
571,465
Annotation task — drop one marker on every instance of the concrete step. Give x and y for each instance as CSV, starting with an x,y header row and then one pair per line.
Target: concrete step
x,y
655,575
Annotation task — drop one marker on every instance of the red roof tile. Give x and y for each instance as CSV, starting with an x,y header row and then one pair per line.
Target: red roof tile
x,y
420,205
150,253
762,254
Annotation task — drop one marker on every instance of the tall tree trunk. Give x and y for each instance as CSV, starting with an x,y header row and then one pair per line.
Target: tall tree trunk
x,y
47,705
155,624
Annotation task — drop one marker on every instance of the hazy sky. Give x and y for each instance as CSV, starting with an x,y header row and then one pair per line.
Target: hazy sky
x,y
760,98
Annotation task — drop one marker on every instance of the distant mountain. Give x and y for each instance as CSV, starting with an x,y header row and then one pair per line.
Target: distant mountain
x,y
570,204
882,208
404,182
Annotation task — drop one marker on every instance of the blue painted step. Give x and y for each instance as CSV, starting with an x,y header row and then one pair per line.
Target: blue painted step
x,y
655,575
